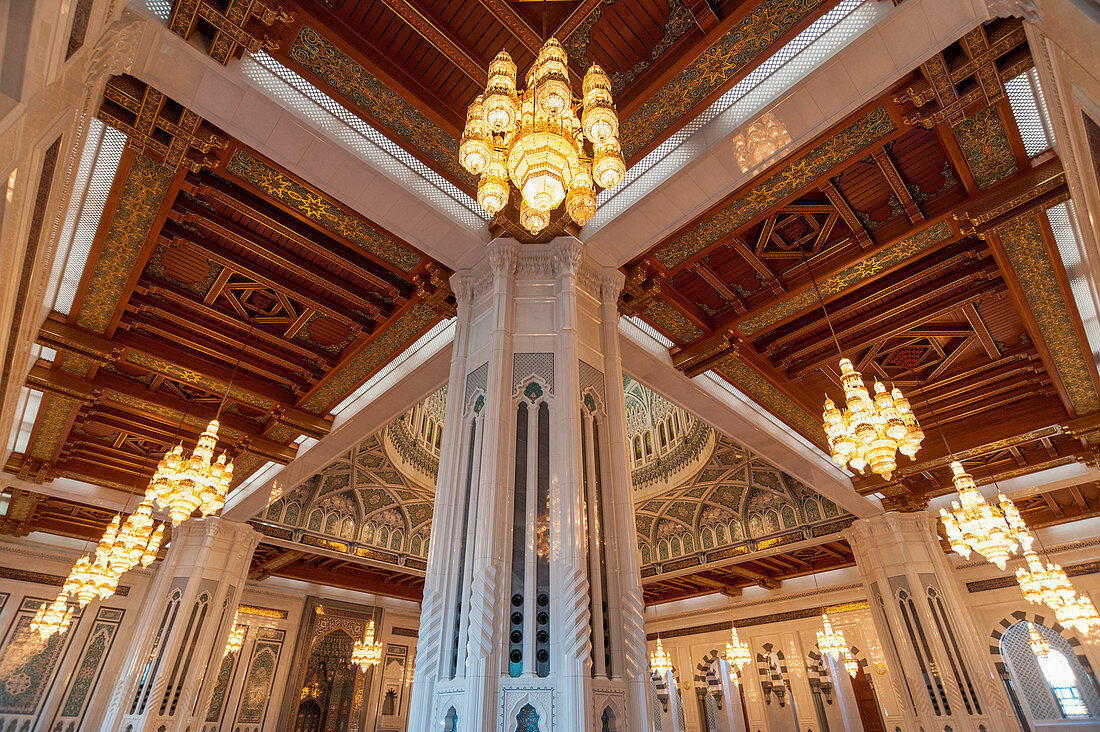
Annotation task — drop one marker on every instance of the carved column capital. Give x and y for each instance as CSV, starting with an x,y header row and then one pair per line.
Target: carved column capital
x,y
116,49
565,256
1026,9
464,286
503,257
611,284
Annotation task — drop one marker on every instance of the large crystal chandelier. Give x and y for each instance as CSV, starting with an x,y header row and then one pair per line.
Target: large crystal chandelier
x,y
975,525
659,660
1079,614
765,137
184,485
737,654
534,138
851,665
831,642
367,653
870,431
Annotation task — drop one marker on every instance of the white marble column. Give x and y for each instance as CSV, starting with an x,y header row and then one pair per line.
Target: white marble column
x,y
175,651
536,354
942,672
843,694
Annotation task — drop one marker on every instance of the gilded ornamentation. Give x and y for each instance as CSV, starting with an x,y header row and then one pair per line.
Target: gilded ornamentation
x,y
849,277
142,195
672,321
810,612
370,96
713,68
405,328
53,417
1023,242
312,204
752,383
187,376
792,176
984,143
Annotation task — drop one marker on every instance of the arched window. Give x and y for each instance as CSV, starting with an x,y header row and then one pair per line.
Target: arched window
x,y
315,519
332,524
677,547
689,544
647,554
347,529
736,532
274,510
813,511
648,444
1052,687
397,540
291,515
679,428
368,533
663,437
637,449
438,437
707,538
756,526
450,722
789,520
527,720
668,421
721,534
383,536
662,550
607,721
771,522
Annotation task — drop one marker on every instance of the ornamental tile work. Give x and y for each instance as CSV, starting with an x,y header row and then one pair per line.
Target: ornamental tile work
x,y
984,143
261,673
1023,242
671,321
90,665
849,277
370,96
217,698
53,419
711,70
310,203
142,195
27,681
748,380
407,327
872,126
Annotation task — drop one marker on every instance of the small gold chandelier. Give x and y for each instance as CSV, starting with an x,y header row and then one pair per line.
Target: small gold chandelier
x,y
367,653
870,431
851,665
737,654
535,139
1038,643
831,642
53,617
198,482
235,642
976,525
1044,584
121,548
659,660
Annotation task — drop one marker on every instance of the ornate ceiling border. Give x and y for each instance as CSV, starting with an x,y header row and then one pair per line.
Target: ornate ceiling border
x,y
713,68
745,378
1023,242
363,89
311,204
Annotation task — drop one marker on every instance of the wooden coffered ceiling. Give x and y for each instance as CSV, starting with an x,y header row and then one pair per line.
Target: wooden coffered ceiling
x,y
411,67
214,267
921,218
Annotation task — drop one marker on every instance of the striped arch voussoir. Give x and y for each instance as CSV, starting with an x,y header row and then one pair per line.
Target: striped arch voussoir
x,y
1021,616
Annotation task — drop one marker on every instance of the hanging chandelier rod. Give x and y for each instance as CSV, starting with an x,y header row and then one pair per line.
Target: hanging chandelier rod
x,y
820,300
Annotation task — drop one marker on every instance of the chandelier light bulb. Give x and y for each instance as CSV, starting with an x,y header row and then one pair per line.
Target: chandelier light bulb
x,y
534,139
53,618
1044,584
870,431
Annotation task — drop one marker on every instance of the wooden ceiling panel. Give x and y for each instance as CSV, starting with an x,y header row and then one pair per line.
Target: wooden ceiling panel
x,y
952,292
230,288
